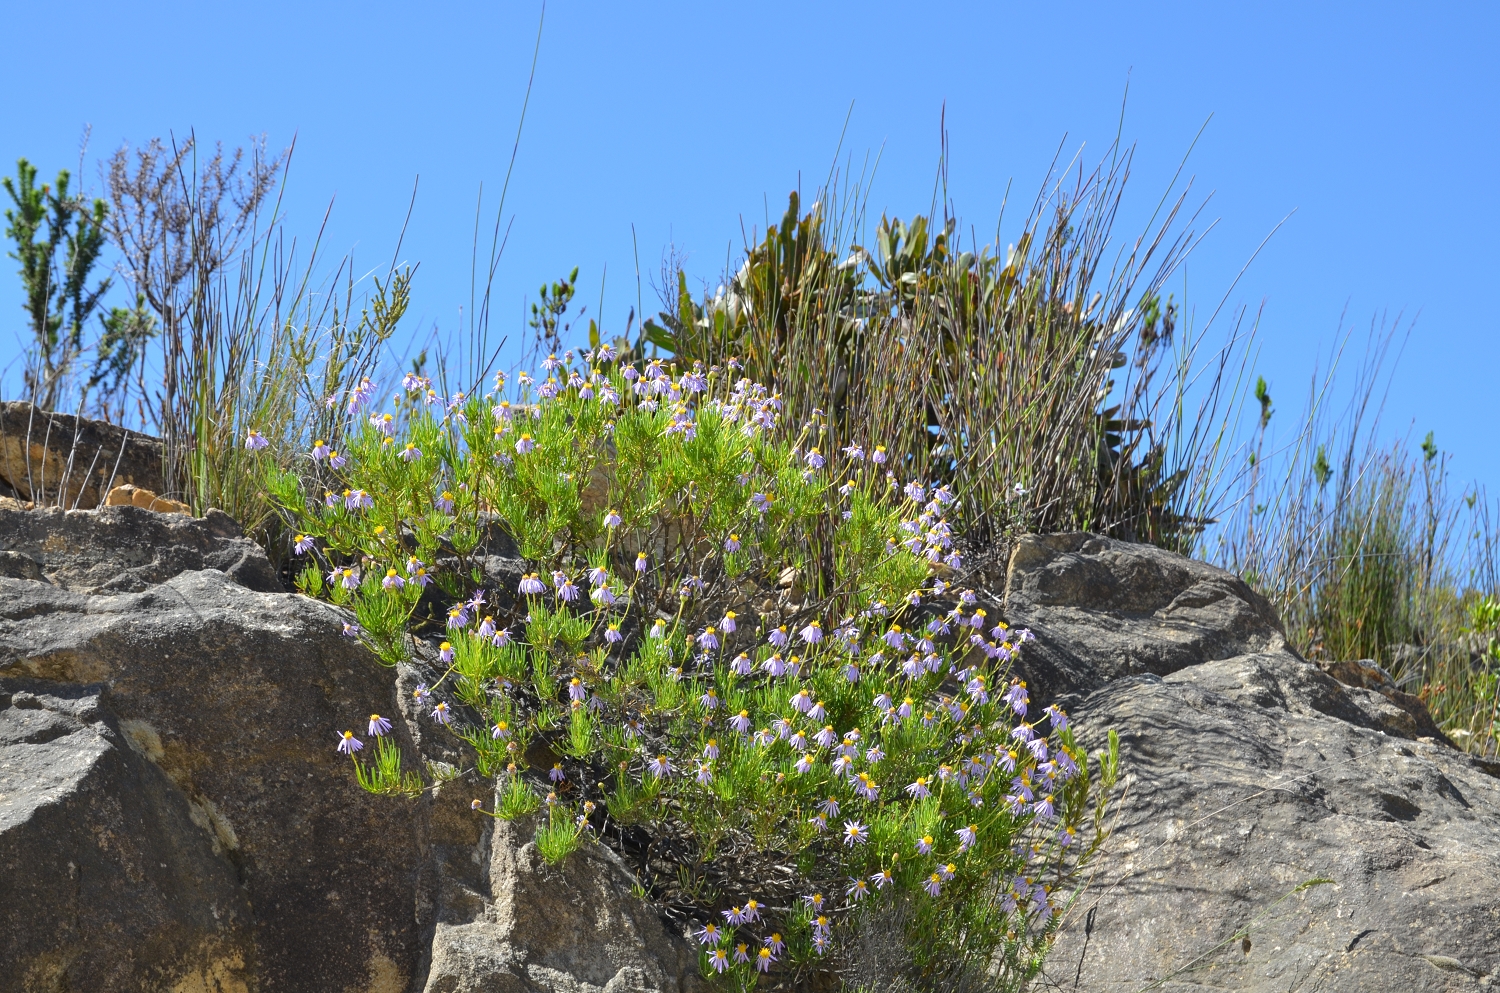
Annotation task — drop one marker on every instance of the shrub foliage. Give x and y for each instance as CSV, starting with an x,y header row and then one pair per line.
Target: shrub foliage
x,y
744,649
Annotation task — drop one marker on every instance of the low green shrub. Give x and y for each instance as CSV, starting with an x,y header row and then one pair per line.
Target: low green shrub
x,y
728,641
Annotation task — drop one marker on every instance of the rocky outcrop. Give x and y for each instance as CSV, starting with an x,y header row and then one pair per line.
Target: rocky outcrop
x,y
59,460
1254,777
1281,830
514,923
173,815
107,879
232,694
127,549
1102,609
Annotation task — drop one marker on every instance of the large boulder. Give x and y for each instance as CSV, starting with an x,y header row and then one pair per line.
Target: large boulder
x,y
107,879
1251,775
234,695
173,814
1102,609
60,460
1251,778
127,549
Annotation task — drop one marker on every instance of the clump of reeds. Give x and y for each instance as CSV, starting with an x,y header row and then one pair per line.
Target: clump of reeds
x,y
239,328
1367,553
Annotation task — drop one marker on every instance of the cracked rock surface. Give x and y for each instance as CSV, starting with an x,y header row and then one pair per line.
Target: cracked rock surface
x,y
173,815
1281,831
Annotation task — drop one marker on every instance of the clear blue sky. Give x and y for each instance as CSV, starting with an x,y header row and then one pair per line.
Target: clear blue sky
x,y
1375,122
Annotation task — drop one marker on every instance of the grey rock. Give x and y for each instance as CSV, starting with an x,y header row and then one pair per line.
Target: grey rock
x,y
229,700
1253,772
236,696
1252,776
18,565
513,924
106,881
161,699
1102,609
61,460
127,549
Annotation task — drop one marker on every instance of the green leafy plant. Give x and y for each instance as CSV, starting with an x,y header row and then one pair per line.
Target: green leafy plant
x,y
1366,554
58,236
992,369
382,774
728,638
559,837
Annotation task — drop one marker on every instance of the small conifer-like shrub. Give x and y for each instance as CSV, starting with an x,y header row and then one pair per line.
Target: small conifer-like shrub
x,y
745,662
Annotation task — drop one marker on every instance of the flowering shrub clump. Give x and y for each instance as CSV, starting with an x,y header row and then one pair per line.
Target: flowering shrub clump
x,y
726,640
